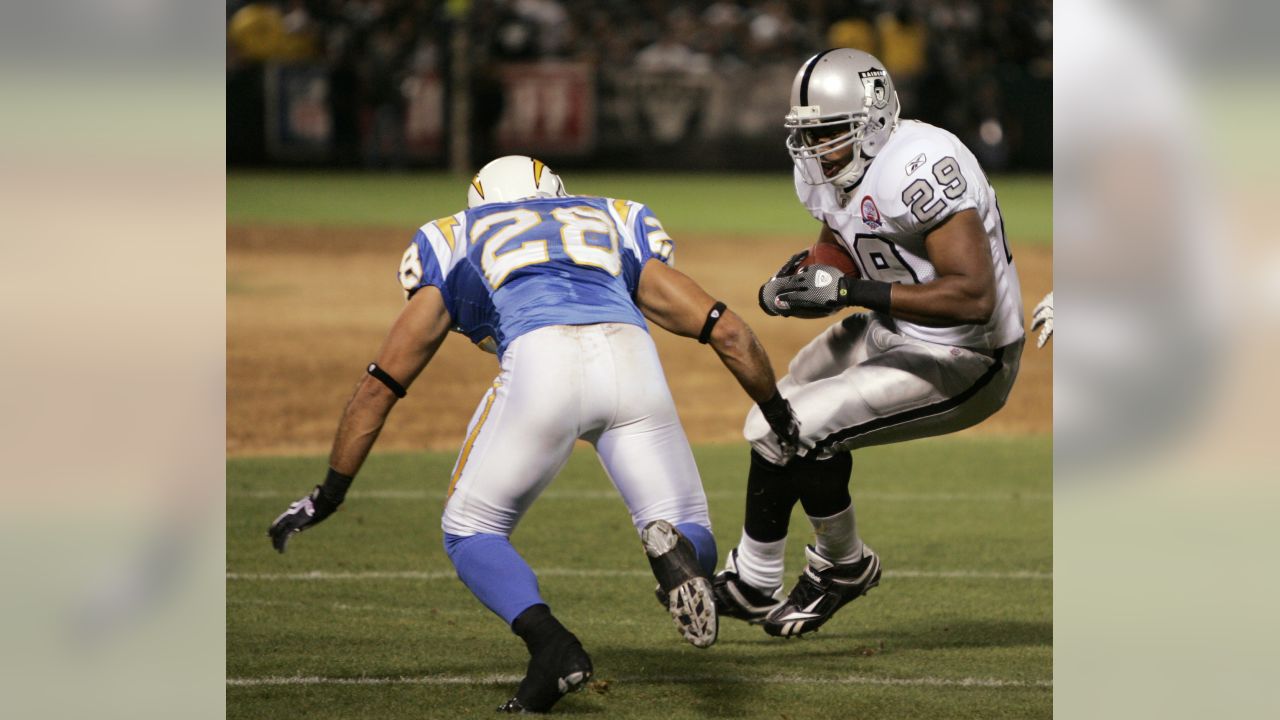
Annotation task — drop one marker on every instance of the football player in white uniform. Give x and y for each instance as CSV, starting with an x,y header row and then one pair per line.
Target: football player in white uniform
x,y
937,352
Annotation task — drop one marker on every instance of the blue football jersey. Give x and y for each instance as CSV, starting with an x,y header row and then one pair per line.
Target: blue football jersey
x,y
508,268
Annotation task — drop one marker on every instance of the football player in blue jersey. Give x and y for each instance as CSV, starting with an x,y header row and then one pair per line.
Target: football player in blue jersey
x,y
559,287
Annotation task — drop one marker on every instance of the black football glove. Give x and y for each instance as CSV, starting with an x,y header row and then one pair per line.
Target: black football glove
x,y
782,420
770,289
301,515
789,267
768,293
814,289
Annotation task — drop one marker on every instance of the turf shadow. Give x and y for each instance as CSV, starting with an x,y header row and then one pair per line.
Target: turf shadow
x,y
921,636
968,633
688,674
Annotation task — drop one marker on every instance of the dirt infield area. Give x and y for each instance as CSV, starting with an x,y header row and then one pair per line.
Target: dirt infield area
x,y
307,310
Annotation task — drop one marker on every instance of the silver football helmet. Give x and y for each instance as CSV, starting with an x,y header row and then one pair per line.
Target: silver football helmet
x,y
513,177
841,98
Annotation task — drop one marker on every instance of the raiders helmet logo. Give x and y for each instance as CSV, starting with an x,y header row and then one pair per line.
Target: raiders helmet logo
x,y
876,88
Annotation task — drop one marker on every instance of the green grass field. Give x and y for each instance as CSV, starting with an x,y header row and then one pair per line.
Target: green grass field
x,y
363,617
713,203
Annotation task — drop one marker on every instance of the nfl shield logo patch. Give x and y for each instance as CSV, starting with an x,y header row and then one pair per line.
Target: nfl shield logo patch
x,y
870,214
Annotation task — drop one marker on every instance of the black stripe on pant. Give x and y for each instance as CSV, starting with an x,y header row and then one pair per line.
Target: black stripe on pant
x,y
921,412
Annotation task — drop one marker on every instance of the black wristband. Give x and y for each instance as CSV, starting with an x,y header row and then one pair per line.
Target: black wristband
x,y
381,376
335,486
713,317
870,294
775,407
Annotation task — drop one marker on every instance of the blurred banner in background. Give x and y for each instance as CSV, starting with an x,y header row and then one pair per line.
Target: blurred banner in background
x,y
653,84
548,105
299,124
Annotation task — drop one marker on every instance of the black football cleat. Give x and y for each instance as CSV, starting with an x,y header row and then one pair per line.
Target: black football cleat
x,y
737,599
823,588
687,591
560,669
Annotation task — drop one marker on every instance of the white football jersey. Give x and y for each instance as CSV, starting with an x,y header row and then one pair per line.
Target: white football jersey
x,y
922,176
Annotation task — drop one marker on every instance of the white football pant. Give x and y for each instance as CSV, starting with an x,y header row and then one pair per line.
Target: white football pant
x,y
861,383
602,383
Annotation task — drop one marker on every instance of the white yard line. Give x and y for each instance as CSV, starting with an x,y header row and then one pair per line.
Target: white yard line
x,y
715,495
429,680
971,574
323,575
682,679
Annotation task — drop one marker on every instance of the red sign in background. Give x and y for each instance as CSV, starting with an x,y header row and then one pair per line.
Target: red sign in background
x,y
549,110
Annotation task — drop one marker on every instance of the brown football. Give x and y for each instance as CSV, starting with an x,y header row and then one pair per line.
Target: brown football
x,y
833,255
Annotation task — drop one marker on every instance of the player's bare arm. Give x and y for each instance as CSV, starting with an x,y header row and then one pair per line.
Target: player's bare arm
x,y
964,293
679,305
412,341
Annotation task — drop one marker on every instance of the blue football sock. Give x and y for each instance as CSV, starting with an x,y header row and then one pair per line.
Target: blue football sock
x,y
704,544
492,569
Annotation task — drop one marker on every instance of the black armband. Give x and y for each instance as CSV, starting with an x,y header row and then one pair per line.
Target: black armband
x,y
335,486
381,376
870,294
713,317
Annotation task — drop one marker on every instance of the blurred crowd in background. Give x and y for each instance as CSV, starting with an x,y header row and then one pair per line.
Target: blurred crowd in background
x,y
653,83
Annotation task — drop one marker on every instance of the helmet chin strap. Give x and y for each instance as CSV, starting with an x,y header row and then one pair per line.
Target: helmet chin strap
x,y
848,185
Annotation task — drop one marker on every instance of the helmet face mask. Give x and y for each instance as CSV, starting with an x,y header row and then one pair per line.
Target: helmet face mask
x,y
843,110
827,149
514,177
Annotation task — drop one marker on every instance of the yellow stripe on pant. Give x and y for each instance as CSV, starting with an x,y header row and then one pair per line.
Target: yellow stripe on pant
x,y
471,439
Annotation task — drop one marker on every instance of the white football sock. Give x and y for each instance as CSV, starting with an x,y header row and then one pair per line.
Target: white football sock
x,y
838,539
760,564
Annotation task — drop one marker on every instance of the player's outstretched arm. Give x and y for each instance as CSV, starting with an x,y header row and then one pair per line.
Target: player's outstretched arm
x,y
673,301
412,341
409,346
676,303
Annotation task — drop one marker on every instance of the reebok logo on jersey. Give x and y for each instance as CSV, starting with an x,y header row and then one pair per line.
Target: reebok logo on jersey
x,y
915,163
